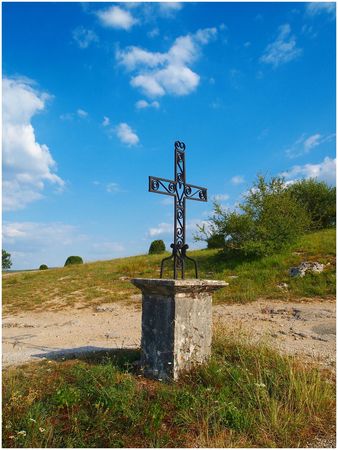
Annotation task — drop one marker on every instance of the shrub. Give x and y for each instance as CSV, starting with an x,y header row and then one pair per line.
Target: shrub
x,y
6,260
216,241
319,200
156,247
43,267
270,219
73,260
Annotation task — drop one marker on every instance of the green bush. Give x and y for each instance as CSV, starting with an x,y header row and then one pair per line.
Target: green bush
x,y
319,200
43,267
268,220
156,247
216,241
6,260
73,260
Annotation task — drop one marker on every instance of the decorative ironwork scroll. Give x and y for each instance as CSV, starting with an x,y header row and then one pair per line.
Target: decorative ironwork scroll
x,y
181,191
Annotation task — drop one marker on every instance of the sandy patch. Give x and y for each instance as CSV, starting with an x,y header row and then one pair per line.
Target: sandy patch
x,y
306,329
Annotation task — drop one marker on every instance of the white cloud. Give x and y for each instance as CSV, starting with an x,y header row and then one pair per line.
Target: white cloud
x,y
106,121
34,243
157,74
169,8
142,104
126,134
153,33
82,113
67,116
112,187
314,8
27,165
283,49
107,248
305,144
324,171
167,229
116,17
162,229
148,11
311,142
237,179
84,37
221,197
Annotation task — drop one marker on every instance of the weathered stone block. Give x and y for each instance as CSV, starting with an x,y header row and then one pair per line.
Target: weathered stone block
x,y
176,324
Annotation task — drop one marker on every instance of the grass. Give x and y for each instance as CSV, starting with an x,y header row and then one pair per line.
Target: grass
x,y
107,281
246,396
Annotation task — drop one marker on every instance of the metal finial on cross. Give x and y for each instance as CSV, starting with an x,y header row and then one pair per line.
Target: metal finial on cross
x,y
181,191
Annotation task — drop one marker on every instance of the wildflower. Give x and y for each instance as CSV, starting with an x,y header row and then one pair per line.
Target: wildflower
x,y
42,430
261,385
11,437
22,433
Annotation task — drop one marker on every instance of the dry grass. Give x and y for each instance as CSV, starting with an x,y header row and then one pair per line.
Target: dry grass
x,y
108,281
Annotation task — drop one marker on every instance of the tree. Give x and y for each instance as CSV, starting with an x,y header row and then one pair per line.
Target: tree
x,y
156,247
268,220
43,267
6,260
319,200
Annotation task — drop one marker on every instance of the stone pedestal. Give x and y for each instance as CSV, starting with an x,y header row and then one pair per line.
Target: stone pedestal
x,y
176,324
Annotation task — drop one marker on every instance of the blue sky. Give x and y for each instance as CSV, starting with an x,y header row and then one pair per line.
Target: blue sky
x,y
95,94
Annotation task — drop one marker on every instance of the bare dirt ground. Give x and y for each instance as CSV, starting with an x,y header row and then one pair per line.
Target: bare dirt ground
x,y
307,329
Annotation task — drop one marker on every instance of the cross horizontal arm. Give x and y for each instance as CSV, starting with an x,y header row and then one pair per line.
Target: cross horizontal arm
x,y
162,186
195,193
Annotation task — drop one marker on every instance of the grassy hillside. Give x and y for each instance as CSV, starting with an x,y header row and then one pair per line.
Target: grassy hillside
x,y
108,281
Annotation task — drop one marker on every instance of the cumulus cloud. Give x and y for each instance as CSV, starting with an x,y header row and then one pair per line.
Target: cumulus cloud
x,y
157,74
116,17
162,229
168,9
143,104
126,134
305,144
324,171
84,37
314,8
237,179
34,243
27,165
283,49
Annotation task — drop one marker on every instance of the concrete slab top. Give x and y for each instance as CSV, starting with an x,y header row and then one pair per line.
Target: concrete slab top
x,y
163,286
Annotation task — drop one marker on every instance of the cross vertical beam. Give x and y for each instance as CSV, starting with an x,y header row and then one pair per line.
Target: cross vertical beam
x,y
181,191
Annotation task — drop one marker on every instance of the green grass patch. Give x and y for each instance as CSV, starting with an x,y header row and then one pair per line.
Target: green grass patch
x,y
107,281
246,396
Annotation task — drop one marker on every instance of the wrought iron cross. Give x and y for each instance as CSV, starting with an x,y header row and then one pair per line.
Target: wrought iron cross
x,y
181,191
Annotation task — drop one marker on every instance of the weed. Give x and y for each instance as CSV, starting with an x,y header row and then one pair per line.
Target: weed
x,y
245,396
